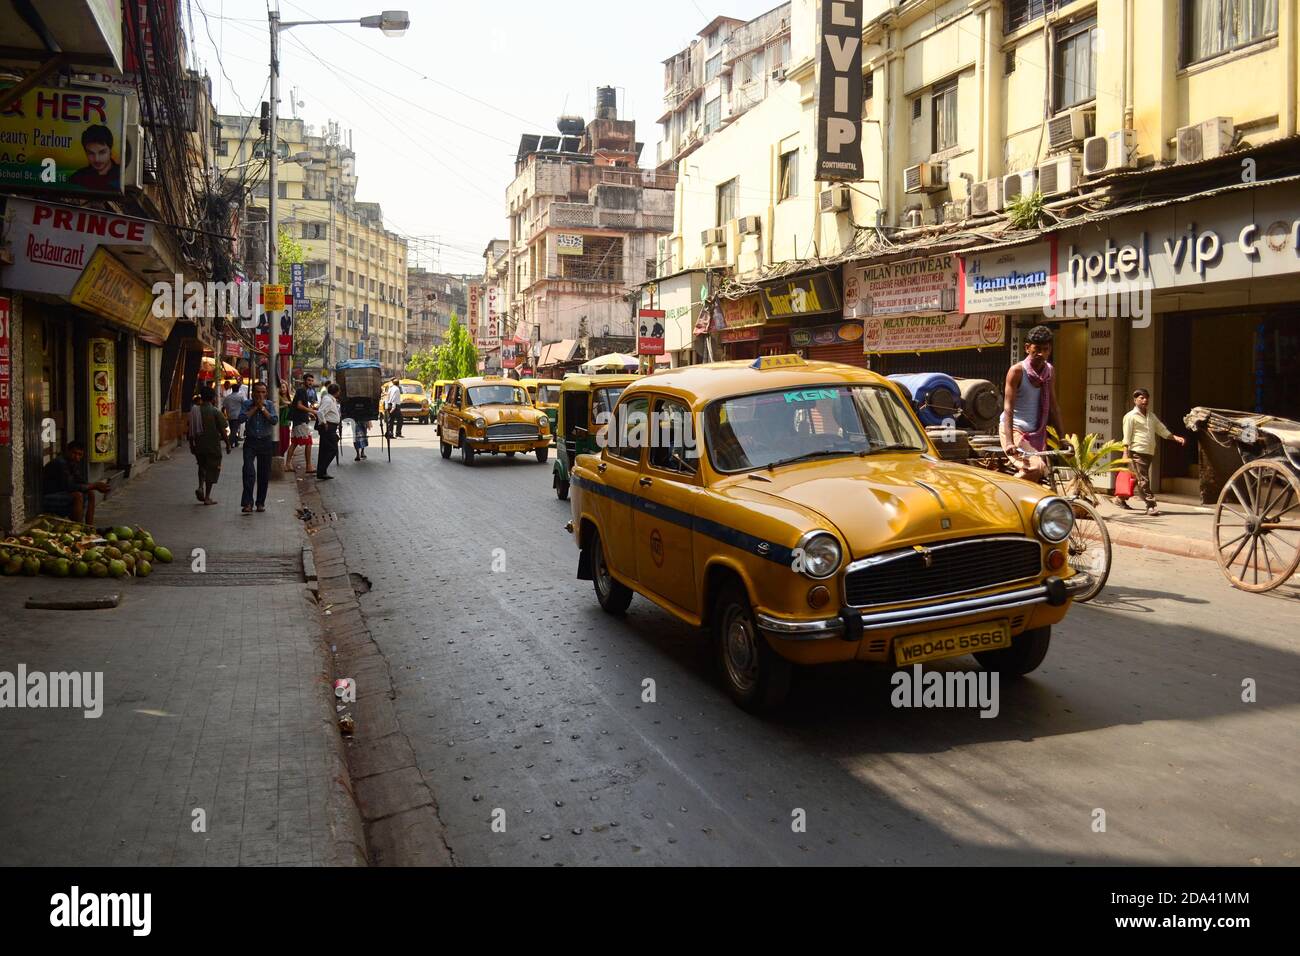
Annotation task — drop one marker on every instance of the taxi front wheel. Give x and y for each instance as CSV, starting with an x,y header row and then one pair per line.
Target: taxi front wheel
x,y
543,454
1024,655
757,677
444,449
613,597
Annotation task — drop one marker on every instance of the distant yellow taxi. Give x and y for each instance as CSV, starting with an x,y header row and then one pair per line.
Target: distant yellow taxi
x,y
491,415
799,512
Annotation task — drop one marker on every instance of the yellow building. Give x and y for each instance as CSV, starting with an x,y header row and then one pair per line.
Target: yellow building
x,y
1157,135
355,268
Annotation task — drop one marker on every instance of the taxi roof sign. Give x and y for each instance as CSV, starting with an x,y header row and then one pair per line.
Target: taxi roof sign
x,y
777,361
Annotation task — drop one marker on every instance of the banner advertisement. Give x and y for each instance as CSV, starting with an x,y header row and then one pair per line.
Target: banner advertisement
x,y
740,335
933,333
806,295
838,334
840,93
1005,280
650,332
51,243
64,140
742,313
493,317
103,401
566,245
909,287
6,374
511,352
298,280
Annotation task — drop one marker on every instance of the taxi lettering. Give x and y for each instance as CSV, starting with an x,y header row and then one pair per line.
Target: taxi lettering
x,y
810,395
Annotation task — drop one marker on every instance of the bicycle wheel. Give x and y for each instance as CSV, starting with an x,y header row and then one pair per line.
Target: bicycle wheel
x,y
1089,547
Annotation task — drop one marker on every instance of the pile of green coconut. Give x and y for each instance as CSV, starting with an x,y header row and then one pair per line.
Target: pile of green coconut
x,y
65,549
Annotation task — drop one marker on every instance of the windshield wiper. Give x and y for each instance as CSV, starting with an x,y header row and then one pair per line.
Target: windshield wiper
x,y
895,446
823,453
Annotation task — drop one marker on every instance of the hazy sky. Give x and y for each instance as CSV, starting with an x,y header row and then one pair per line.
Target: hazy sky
x,y
436,115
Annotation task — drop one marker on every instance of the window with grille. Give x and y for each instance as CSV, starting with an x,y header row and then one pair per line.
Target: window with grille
x,y
601,261
1074,72
1021,13
712,115
943,106
1211,27
726,204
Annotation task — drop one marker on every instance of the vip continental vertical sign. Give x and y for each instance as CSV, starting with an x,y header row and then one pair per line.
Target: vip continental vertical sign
x,y
103,400
839,92
64,140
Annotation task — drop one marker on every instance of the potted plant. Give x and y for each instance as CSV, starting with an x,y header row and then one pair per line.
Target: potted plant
x,y
1087,459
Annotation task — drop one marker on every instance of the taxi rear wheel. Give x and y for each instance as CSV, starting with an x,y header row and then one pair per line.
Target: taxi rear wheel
x,y
757,677
1024,655
613,597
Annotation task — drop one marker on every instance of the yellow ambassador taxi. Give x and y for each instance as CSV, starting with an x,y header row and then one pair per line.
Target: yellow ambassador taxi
x,y
798,510
491,415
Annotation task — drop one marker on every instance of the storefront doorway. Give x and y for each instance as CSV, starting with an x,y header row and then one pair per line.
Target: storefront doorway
x,y
46,397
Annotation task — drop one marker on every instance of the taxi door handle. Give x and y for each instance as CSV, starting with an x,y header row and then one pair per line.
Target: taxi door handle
x,y
601,467
645,482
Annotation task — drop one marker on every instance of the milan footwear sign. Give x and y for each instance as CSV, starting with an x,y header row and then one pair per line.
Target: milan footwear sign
x,y
839,93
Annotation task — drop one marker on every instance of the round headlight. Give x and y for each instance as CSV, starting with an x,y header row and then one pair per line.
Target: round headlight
x,y
1053,519
543,421
479,423
820,554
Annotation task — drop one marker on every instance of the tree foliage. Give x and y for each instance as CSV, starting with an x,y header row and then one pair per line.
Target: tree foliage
x,y
309,326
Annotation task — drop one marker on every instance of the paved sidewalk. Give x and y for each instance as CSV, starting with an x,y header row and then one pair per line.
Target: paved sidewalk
x,y
216,697
1184,527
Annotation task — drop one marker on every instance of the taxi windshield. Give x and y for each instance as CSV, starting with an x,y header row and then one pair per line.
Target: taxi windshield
x,y
496,395
412,390
548,394
797,424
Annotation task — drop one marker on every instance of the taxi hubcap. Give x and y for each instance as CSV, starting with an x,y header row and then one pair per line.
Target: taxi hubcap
x,y
740,653
602,572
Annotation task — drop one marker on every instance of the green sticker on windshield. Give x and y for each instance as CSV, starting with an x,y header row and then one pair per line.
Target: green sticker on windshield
x,y
809,395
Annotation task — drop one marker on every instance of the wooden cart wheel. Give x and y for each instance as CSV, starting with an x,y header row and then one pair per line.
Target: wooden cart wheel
x,y
1257,526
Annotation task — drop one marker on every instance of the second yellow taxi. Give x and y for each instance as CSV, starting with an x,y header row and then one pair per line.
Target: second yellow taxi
x,y
491,415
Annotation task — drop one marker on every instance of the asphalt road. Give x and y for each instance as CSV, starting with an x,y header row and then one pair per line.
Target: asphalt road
x,y
523,703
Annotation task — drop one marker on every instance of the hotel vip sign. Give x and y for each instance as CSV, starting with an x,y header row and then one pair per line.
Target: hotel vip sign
x,y
839,92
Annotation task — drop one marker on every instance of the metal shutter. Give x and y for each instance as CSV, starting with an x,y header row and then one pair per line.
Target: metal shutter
x,y
850,353
143,399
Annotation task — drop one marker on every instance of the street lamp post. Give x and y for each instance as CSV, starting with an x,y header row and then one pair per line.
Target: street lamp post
x,y
392,23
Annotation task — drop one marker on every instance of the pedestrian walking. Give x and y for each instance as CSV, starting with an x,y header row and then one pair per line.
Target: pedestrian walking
x,y
259,448
286,426
360,438
330,417
231,406
301,412
1141,429
393,404
207,441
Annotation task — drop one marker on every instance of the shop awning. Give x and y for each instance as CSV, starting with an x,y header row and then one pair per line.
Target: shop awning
x,y
557,352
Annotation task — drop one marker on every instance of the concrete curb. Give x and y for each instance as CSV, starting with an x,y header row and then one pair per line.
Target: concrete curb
x,y
342,812
1164,543
397,810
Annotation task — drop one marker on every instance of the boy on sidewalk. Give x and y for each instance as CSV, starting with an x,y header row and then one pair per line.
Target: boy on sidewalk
x,y
1141,428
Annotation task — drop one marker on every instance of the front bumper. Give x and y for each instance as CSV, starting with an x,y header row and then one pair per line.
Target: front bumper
x,y
851,623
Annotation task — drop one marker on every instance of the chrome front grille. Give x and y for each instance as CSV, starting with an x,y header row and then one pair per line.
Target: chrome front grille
x,y
513,431
942,570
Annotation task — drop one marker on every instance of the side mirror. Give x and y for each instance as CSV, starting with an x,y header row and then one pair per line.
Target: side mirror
x,y
580,432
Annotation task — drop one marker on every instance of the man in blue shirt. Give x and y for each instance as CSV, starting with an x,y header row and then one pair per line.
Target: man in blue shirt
x,y
260,425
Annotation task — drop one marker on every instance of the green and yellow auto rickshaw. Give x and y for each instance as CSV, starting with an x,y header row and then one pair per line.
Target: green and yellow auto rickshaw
x,y
586,405
438,395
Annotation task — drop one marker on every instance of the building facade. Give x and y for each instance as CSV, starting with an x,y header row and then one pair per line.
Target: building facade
x,y
432,298
585,221
1119,170
356,280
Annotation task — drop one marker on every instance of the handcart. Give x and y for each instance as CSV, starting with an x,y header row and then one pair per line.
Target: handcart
x,y
360,381
1257,521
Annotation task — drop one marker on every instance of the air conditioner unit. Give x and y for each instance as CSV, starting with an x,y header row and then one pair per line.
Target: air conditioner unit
x,y
954,211
714,237
986,197
835,199
749,225
1060,174
925,178
352,323
1206,140
1070,129
716,255
1015,185
1115,150
778,74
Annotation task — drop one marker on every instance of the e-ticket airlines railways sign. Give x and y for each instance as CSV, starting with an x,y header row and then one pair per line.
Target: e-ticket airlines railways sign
x,y
839,92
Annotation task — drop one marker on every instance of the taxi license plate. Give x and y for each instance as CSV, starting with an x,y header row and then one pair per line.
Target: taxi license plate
x,y
952,642
516,447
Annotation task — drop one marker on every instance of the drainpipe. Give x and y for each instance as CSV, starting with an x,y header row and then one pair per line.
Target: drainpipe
x,y
1127,78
